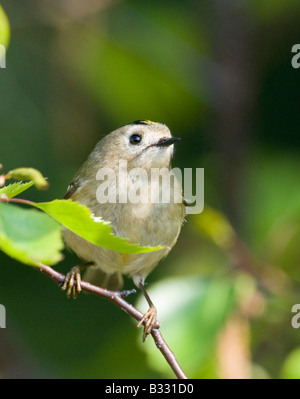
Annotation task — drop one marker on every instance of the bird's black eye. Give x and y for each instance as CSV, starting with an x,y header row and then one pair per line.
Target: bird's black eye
x,y
135,139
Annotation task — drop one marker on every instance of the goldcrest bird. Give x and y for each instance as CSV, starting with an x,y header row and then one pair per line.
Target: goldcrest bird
x,y
142,144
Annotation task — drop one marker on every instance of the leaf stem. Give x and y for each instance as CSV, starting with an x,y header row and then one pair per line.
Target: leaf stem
x,y
17,200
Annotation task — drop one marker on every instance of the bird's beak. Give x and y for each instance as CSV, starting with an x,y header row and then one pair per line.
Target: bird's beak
x,y
166,142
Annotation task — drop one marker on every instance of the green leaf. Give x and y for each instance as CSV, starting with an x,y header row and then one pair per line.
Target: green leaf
x,y
31,174
15,189
79,220
4,28
29,236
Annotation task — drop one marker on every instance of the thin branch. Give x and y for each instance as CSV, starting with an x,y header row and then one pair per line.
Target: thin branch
x,y
117,299
17,200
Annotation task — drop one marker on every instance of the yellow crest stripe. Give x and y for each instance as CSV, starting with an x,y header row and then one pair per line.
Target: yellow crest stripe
x,y
143,122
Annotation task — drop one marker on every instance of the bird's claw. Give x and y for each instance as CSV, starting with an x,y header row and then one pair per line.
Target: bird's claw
x,y
72,282
149,321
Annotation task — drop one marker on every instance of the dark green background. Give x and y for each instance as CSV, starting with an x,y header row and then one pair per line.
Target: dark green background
x,y
219,74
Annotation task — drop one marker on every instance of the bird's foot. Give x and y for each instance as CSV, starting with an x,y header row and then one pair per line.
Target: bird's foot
x,y
149,320
72,282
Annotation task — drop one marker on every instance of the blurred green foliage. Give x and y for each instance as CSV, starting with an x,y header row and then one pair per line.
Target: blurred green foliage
x,y
219,75
4,28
